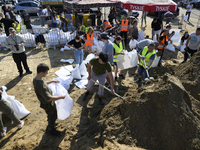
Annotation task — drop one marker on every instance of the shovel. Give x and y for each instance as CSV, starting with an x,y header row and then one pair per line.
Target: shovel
x,y
148,77
106,88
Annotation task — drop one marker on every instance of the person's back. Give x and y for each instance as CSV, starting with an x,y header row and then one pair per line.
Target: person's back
x,y
108,49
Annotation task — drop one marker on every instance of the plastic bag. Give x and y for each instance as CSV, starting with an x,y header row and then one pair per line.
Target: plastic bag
x,y
123,61
170,47
63,106
18,107
156,61
76,73
133,58
65,81
88,58
132,44
62,72
141,35
83,69
176,36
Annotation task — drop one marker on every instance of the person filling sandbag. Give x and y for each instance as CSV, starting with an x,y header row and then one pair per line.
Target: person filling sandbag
x,y
89,40
77,44
118,50
44,95
140,45
183,38
98,69
192,44
147,55
6,109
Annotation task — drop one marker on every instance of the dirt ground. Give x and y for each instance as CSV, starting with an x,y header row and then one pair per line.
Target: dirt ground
x,y
84,129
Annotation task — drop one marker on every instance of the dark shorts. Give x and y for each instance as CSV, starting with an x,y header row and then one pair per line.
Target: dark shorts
x,y
115,63
28,26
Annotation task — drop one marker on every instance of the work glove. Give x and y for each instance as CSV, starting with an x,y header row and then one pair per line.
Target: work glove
x,y
142,57
147,68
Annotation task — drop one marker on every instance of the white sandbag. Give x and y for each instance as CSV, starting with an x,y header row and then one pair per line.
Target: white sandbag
x,y
40,30
141,36
83,69
112,39
62,72
133,58
99,49
88,58
182,49
67,60
94,49
65,81
179,47
69,68
154,38
123,61
17,107
67,48
132,44
29,39
76,73
156,61
63,106
175,38
81,84
95,42
170,47
2,39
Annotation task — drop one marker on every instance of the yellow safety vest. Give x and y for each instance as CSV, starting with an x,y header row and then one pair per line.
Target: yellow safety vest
x,y
147,57
2,23
86,29
82,28
117,50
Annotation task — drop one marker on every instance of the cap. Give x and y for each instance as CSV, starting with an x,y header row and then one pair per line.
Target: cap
x,y
11,29
104,35
103,56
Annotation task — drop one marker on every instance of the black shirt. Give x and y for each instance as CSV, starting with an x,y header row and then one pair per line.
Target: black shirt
x,y
26,18
11,12
99,14
7,23
156,26
76,44
4,9
184,38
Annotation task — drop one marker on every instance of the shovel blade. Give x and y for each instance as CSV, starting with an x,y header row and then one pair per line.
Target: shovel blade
x,y
150,78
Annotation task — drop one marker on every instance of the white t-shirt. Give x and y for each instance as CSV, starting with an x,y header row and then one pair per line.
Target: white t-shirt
x,y
194,42
189,7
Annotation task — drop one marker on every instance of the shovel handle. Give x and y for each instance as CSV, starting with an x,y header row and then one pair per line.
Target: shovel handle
x,y
146,69
106,88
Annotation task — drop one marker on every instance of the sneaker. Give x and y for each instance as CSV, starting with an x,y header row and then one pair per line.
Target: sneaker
x,y
21,124
86,95
138,80
122,76
115,78
3,134
101,101
55,132
29,72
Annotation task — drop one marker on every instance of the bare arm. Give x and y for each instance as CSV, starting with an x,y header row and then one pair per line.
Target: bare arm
x,y
111,82
89,71
54,98
52,81
131,31
22,20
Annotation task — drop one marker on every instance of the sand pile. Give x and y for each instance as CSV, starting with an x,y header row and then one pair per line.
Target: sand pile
x,y
164,114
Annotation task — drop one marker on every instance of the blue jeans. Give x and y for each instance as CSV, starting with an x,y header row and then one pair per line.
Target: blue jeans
x,y
70,27
142,72
78,53
42,21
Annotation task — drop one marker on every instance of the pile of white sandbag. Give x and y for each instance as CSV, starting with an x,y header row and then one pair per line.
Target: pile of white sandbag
x,y
40,30
29,39
2,39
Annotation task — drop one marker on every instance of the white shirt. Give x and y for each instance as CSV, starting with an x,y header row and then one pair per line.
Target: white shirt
x,y
189,7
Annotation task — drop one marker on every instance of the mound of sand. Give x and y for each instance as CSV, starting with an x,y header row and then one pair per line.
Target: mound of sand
x,y
164,114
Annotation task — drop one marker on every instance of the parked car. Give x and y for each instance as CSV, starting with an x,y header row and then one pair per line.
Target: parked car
x,y
122,11
193,2
30,7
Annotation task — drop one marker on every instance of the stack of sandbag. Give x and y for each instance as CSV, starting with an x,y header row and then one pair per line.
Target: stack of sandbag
x,y
2,39
29,39
17,107
133,56
64,36
53,37
40,30
170,47
96,47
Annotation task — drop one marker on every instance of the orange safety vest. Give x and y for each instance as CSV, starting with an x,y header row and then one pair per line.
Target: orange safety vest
x,y
107,24
161,44
89,39
124,26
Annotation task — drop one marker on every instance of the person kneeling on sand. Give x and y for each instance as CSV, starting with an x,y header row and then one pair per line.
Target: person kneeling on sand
x,y
147,56
6,109
44,94
98,69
